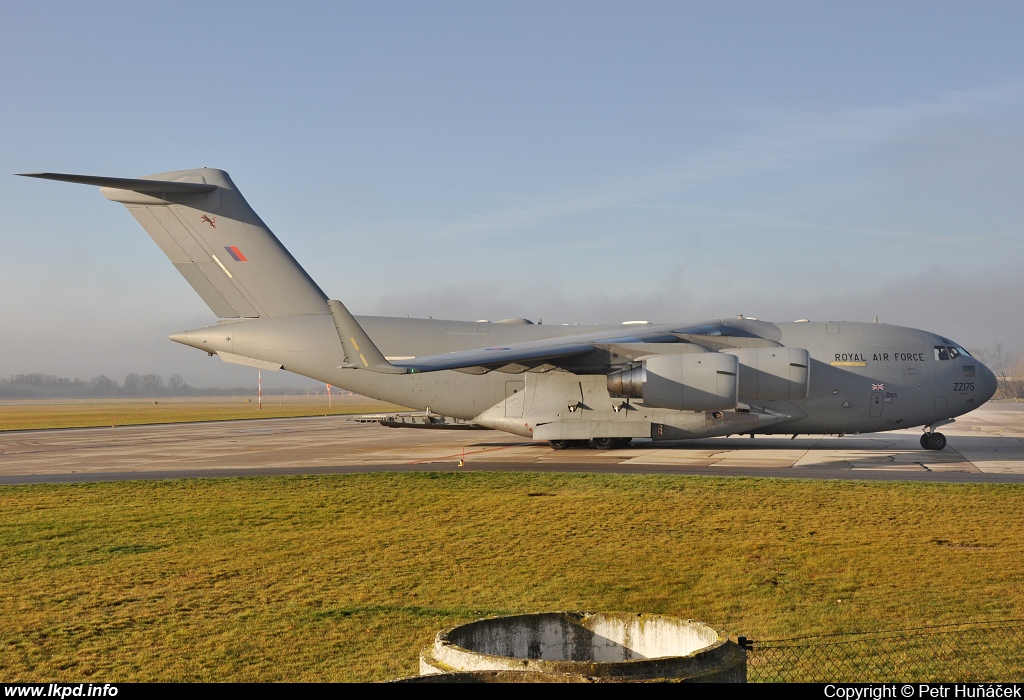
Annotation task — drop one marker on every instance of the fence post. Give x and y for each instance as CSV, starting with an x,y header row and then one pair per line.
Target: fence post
x,y
745,645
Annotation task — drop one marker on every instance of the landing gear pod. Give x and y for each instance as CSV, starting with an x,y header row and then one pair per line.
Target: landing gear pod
x,y
693,382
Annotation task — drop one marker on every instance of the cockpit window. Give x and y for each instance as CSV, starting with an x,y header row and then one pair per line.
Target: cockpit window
x,y
941,352
955,350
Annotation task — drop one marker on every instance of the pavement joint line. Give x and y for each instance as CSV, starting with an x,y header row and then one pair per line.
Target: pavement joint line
x,y
433,460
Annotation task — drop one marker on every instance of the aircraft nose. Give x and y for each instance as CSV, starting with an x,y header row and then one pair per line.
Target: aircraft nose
x,y
987,382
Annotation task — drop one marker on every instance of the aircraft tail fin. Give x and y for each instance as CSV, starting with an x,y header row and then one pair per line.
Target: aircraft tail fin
x,y
215,240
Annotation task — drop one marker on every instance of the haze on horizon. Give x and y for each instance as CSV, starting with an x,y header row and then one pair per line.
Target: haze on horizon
x,y
579,162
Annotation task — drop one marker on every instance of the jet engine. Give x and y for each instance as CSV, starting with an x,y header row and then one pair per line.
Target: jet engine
x,y
688,382
773,374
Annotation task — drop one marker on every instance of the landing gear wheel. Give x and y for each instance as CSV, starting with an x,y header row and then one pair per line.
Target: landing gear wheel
x,y
605,443
933,441
558,444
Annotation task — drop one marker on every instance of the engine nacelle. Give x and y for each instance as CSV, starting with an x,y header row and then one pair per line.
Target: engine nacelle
x,y
773,374
690,382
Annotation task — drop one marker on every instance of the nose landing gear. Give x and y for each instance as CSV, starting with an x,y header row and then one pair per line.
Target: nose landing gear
x,y
933,441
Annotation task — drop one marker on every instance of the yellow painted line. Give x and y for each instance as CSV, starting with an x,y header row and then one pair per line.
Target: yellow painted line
x,y
849,364
365,363
354,343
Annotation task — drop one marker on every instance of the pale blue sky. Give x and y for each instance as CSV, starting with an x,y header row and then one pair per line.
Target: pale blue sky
x,y
578,162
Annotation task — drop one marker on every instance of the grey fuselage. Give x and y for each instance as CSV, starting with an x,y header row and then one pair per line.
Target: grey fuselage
x,y
864,377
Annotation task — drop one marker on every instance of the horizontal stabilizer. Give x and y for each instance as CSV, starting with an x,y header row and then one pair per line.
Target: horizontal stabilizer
x,y
122,183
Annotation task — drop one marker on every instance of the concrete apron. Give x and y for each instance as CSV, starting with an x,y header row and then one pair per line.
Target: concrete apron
x,y
584,647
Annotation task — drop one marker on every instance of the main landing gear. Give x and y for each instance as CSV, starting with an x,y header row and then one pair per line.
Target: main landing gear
x,y
933,441
599,443
566,444
611,443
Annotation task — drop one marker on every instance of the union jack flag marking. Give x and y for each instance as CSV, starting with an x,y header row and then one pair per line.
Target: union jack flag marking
x,y
878,387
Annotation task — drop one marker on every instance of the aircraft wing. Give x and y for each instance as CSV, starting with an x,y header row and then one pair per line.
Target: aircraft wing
x,y
521,353
362,353
530,353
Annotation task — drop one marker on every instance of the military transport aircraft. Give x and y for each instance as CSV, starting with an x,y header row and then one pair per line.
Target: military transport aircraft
x,y
568,385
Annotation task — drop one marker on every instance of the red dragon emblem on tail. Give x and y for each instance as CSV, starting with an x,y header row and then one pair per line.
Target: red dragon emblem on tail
x,y
208,220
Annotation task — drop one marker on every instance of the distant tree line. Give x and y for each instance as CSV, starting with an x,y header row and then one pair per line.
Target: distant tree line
x,y
44,386
1008,368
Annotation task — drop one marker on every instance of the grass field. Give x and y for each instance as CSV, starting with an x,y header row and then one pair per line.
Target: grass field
x,y
347,577
38,415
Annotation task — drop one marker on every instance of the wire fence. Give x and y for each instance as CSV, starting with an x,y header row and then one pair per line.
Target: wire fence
x,y
985,652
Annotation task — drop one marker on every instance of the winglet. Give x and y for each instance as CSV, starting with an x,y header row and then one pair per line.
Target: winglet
x,y
360,352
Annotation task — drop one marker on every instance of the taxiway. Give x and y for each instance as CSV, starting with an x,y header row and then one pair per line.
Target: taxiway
x,y
986,445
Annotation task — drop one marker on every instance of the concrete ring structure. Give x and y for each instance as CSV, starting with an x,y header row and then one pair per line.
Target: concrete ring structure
x,y
598,646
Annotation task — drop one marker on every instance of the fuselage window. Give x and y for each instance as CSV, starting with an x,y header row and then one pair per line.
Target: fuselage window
x,y
941,353
953,352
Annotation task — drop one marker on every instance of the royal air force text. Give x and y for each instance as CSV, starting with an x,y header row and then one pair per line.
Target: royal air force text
x,y
880,357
